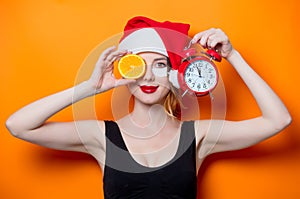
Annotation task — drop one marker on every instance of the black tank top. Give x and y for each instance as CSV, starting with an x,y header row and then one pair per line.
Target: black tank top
x,y
124,178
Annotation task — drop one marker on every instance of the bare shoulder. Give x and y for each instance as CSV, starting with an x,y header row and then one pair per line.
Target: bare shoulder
x,y
90,127
201,127
92,135
207,132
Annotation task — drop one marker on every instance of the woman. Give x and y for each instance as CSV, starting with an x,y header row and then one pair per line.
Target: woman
x,y
150,153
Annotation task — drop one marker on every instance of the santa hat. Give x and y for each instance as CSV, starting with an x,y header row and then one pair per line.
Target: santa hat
x,y
142,34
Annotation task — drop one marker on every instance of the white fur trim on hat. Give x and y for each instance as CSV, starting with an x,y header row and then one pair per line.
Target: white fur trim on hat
x,y
173,78
143,40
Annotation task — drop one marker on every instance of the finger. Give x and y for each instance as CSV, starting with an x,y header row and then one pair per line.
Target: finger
x,y
122,82
197,37
104,54
107,51
202,37
205,38
115,55
213,40
218,38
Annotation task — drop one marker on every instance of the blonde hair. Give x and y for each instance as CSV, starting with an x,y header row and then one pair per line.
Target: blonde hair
x,y
172,104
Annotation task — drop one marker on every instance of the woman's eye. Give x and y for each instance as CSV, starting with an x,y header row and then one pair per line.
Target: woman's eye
x,y
160,65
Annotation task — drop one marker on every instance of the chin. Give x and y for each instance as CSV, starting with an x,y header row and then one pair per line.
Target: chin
x,y
150,99
154,98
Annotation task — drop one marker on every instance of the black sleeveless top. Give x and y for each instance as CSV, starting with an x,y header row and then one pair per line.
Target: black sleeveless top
x,y
124,178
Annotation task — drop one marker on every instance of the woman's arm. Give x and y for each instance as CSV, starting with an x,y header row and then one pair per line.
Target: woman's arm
x,y
30,122
240,134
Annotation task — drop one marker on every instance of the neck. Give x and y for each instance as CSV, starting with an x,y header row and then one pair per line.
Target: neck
x,y
146,121
147,115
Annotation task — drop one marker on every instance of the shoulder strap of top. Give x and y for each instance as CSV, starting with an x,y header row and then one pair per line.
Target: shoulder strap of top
x,y
117,155
113,133
187,137
188,127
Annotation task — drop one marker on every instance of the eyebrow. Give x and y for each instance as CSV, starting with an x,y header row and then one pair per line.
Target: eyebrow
x,y
161,58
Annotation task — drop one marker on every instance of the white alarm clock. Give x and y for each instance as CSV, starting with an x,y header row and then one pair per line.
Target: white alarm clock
x,y
199,74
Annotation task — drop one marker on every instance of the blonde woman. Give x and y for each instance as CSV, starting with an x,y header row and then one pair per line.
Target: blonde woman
x,y
150,153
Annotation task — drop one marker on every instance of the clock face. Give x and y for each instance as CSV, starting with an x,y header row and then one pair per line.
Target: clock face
x,y
200,76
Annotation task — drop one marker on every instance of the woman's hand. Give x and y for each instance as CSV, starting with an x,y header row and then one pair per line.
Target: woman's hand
x,y
102,78
214,38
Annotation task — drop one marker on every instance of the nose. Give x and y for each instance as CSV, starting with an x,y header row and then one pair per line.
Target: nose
x,y
149,74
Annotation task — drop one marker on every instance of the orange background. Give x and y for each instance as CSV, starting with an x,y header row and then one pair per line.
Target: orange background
x,y
43,43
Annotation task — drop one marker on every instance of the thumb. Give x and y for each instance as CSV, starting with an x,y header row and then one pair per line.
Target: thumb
x,y
121,82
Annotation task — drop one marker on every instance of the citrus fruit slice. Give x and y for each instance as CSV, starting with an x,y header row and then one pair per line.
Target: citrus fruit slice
x,y
131,66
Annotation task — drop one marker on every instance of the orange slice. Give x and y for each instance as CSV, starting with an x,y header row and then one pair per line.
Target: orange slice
x,y
131,66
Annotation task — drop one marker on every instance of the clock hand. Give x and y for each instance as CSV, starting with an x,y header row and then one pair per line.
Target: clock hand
x,y
199,71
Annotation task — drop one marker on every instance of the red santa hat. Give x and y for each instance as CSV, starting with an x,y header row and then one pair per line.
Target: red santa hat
x,y
142,34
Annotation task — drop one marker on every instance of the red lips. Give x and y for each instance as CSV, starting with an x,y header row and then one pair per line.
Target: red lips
x,y
148,89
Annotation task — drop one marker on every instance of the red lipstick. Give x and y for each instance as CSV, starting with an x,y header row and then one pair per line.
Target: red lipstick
x,y
148,89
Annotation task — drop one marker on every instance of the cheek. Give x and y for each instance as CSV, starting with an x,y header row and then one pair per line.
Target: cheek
x,y
163,82
133,88
160,72
164,91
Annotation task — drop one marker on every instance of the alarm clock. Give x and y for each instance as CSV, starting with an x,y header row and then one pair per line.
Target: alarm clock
x,y
198,74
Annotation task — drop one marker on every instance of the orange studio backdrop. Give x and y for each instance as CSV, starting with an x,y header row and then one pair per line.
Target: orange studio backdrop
x,y
43,44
